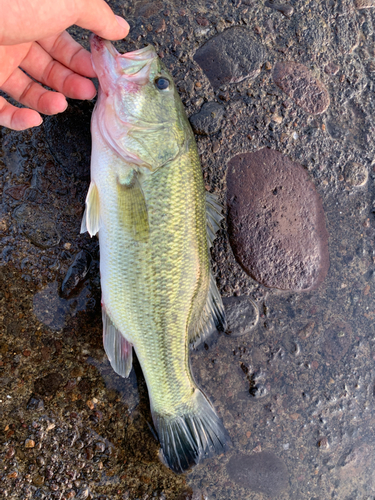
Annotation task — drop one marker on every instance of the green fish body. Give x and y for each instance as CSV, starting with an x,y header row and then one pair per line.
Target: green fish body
x,y
148,203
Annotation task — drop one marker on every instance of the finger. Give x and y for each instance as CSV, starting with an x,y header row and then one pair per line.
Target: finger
x,y
43,18
18,118
31,94
46,70
70,53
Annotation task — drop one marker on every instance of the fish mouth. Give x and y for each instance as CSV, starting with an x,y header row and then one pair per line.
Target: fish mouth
x,y
109,64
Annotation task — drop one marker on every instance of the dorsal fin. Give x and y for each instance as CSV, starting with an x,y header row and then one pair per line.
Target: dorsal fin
x,y
214,216
117,348
212,317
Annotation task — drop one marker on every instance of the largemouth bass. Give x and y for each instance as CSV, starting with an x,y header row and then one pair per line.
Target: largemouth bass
x,y
155,222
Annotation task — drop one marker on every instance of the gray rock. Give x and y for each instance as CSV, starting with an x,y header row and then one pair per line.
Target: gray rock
x,y
230,57
208,120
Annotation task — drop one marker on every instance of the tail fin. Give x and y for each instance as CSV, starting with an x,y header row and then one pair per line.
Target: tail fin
x,y
191,436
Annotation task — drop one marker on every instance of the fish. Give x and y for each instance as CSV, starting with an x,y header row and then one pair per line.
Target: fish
x,y
155,222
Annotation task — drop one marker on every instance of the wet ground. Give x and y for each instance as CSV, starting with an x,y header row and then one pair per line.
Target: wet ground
x,y
293,377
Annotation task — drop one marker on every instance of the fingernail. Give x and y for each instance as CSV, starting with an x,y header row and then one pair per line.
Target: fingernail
x,y
123,23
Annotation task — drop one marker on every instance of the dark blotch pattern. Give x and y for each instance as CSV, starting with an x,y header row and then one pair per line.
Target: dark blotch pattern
x,y
260,472
276,221
230,57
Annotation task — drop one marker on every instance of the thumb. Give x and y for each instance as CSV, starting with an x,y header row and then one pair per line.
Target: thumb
x,y
99,18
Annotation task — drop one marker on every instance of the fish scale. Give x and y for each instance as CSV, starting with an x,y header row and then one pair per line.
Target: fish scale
x,y
148,202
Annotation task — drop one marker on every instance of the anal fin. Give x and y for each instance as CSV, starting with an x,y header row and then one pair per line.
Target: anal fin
x,y
91,216
117,348
133,208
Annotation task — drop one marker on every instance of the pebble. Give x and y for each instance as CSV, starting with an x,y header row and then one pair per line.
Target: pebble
x,y
230,57
323,443
147,9
17,192
364,4
48,385
301,86
261,472
356,174
29,443
331,68
276,222
35,404
76,273
36,225
285,9
242,315
208,120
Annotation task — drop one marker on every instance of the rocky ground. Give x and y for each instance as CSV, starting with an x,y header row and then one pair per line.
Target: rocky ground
x,y
281,98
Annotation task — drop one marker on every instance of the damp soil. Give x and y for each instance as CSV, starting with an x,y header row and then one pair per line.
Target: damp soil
x,y
293,375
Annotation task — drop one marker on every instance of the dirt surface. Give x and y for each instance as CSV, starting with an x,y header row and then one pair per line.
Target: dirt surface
x,y
297,386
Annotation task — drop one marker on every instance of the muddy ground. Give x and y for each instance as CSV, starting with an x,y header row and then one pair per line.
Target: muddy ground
x,y
293,376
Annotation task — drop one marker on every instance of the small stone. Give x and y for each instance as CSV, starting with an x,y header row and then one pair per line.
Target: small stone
x,y
160,26
261,472
230,57
285,9
29,443
90,404
38,480
364,4
301,86
17,192
323,443
67,246
76,273
48,385
331,68
208,120
146,9
215,146
202,21
242,315
356,174
268,66
35,404
276,221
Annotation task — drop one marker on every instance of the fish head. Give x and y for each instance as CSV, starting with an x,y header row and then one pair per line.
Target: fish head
x,y
139,112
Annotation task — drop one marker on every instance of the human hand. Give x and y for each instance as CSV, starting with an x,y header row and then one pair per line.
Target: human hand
x,y
33,39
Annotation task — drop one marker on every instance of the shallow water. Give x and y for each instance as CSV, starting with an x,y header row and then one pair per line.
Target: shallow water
x,y
293,376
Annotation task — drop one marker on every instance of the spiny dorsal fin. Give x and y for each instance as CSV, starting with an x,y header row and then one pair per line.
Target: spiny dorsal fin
x,y
214,217
132,205
117,348
212,317
91,216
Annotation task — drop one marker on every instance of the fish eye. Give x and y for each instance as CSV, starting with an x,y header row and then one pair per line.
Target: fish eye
x,y
162,83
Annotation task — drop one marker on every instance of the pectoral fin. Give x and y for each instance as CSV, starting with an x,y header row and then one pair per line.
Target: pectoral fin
x,y
132,206
91,216
117,348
